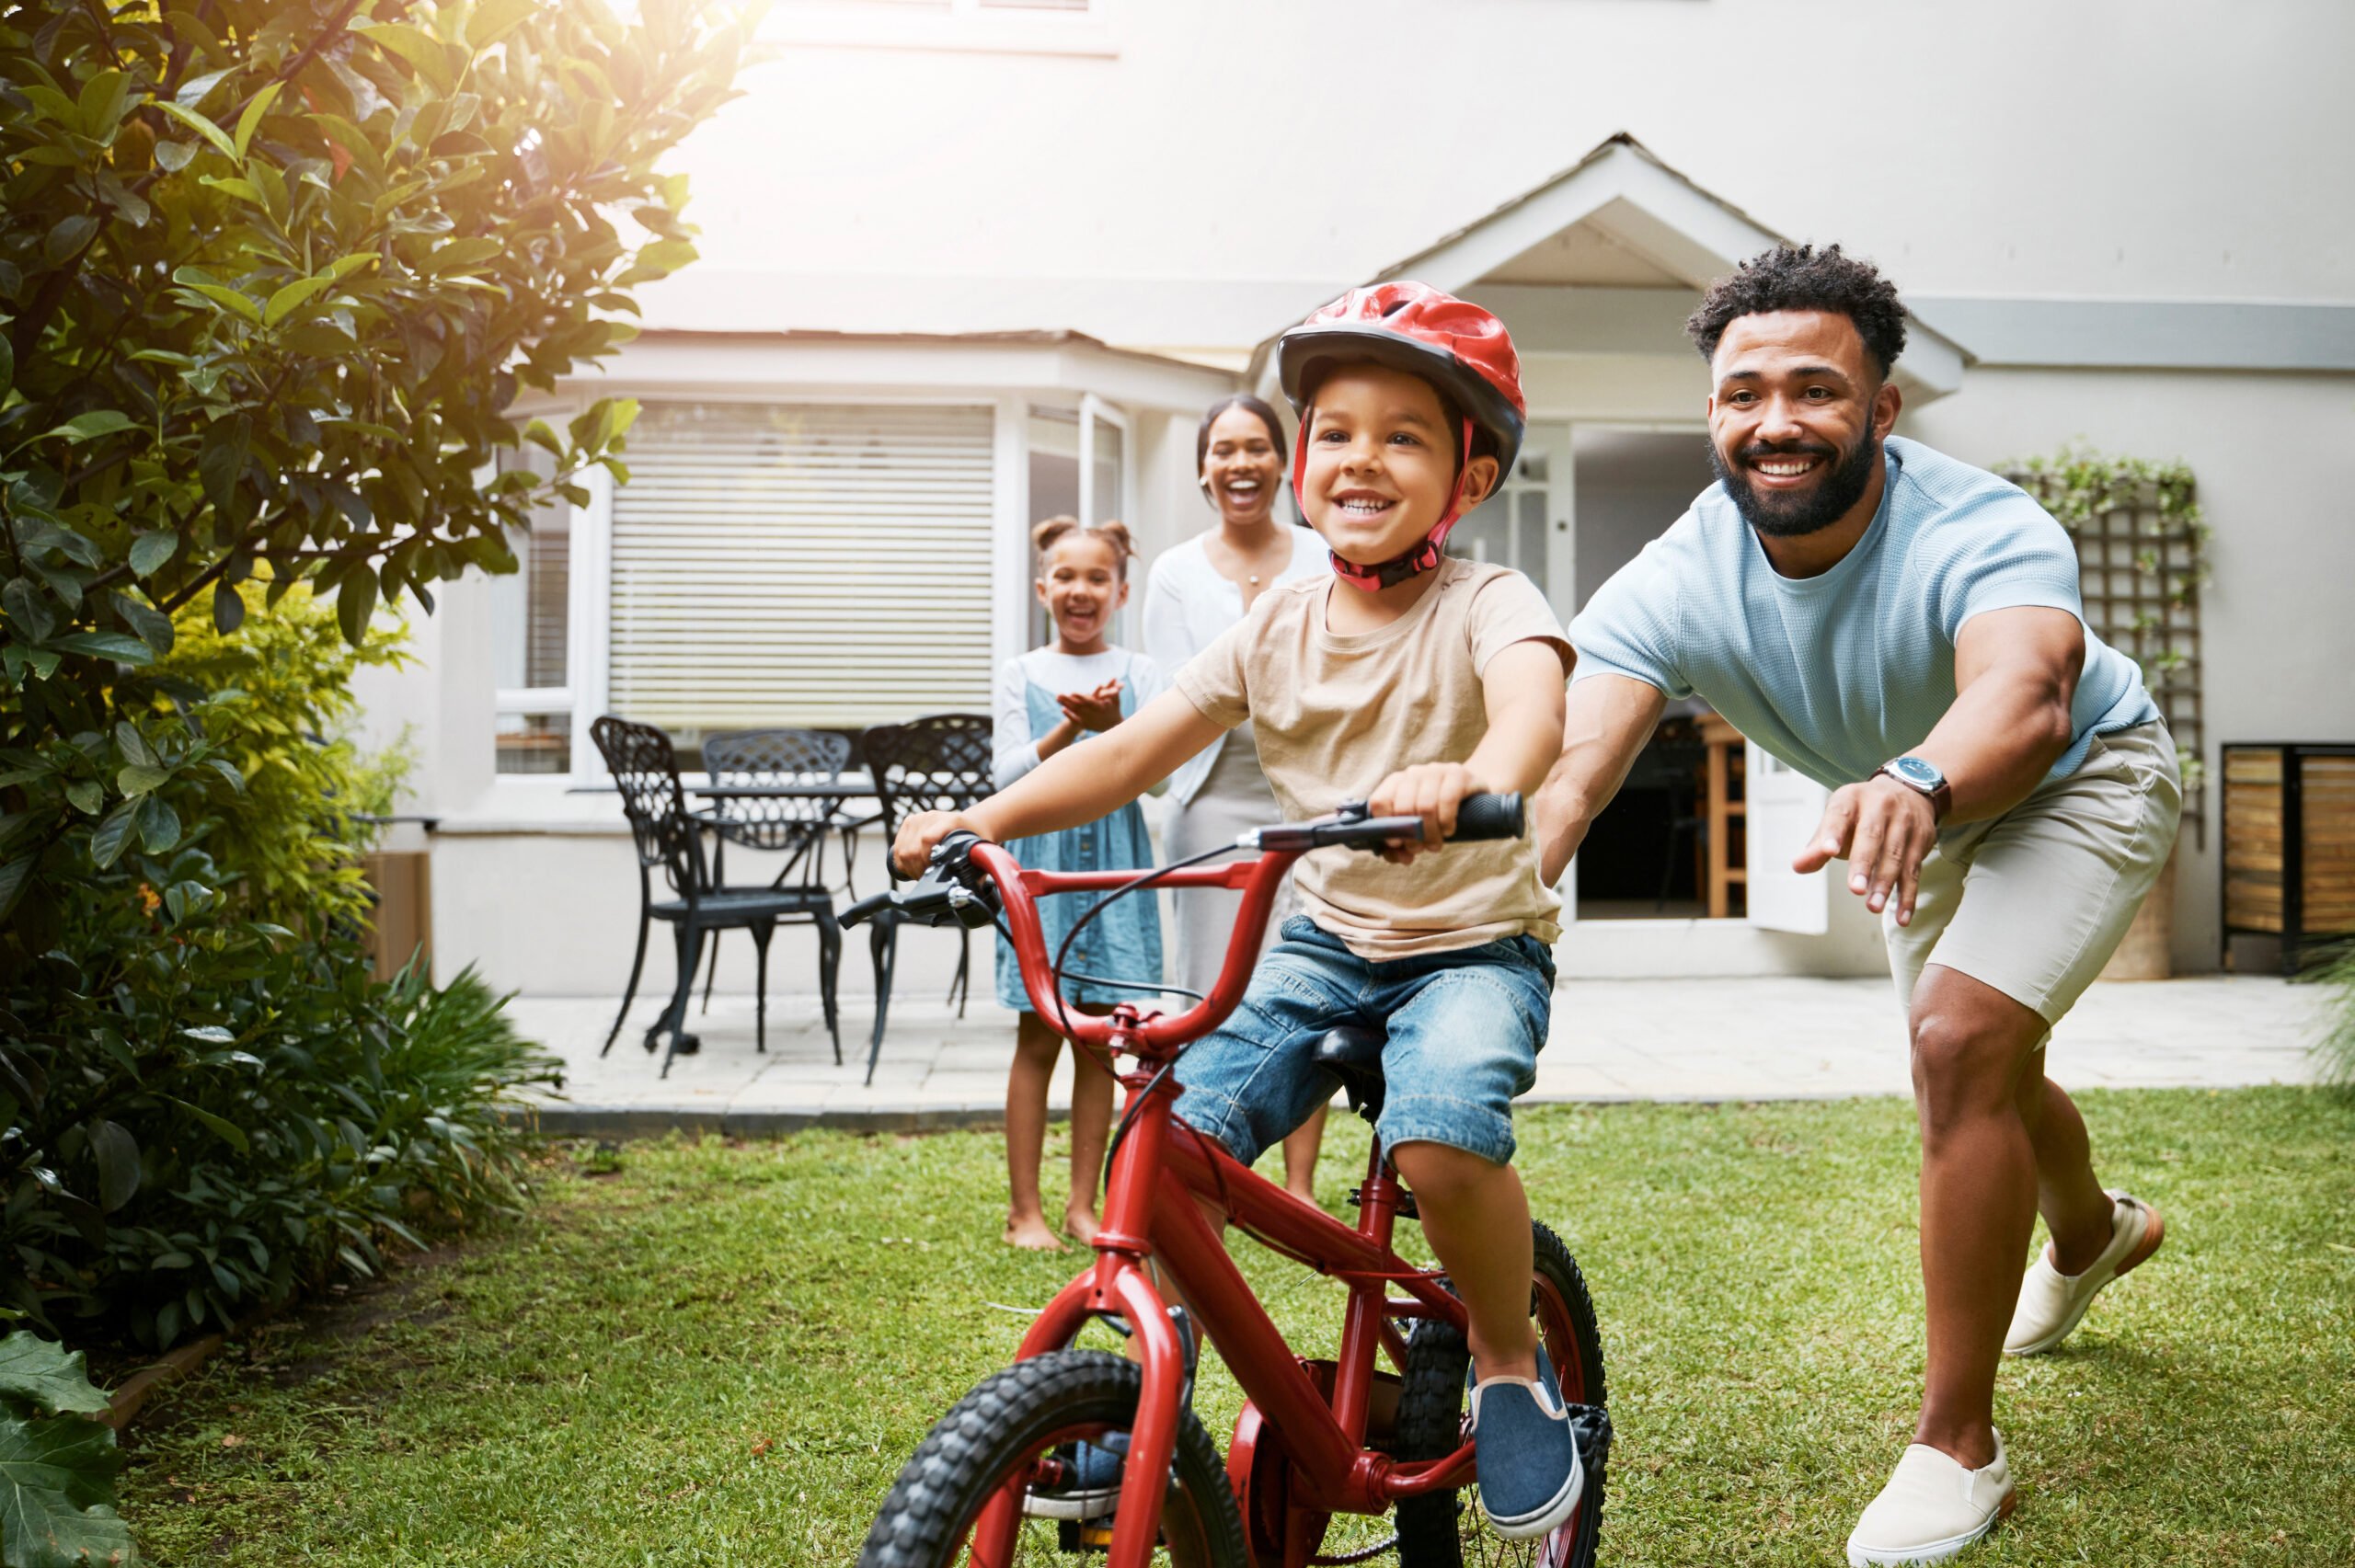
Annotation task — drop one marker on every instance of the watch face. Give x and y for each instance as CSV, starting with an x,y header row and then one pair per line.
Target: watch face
x,y
1917,773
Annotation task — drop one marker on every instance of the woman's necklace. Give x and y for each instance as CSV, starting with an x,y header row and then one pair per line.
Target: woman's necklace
x,y
1250,576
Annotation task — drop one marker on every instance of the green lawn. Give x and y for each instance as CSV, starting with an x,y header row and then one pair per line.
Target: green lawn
x,y
722,1354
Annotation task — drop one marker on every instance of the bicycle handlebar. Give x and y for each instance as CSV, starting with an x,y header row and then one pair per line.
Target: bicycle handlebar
x,y
956,890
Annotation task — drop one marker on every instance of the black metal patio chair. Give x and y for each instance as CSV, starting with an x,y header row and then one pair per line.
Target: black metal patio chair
x,y
939,762
670,836
795,827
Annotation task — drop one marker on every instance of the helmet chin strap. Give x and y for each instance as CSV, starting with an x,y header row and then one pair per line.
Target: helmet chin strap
x,y
1424,557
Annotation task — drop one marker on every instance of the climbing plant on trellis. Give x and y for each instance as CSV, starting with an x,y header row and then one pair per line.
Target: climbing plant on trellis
x,y
2141,560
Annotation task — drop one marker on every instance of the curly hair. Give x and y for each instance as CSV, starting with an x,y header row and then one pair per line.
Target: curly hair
x,y
1799,277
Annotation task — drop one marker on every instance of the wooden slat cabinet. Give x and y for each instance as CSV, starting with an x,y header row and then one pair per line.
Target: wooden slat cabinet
x,y
2289,843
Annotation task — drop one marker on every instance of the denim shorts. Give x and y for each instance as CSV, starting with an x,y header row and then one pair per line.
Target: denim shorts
x,y
1464,1028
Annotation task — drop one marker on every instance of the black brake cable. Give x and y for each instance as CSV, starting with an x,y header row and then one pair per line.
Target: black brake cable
x,y
1063,1007
1007,932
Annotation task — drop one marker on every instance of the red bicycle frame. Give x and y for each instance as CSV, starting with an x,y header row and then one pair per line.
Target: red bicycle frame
x,y
1158,1170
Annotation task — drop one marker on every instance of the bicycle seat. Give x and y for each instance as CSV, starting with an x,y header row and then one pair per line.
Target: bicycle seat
x,y
1353,1054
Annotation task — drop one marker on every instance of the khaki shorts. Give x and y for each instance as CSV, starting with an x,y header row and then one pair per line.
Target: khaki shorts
x,y
2034,901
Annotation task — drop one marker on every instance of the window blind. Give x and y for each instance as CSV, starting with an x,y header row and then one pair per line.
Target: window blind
x,y
801,565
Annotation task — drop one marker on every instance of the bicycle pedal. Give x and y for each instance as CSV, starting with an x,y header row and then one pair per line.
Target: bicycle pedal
x,y
1074,1536
1406,1209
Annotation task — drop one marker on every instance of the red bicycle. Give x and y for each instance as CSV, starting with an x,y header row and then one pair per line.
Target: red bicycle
x,y
1316,1438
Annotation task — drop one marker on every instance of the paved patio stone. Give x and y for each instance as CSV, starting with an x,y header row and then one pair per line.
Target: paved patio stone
x,y
1782,1038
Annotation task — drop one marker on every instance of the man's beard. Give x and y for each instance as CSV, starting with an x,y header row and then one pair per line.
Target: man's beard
x,y
1777,515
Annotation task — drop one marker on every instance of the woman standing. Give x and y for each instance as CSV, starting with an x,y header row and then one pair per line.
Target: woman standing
x,y
1198,589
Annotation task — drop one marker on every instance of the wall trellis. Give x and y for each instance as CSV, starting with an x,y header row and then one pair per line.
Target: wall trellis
x,y
2140,537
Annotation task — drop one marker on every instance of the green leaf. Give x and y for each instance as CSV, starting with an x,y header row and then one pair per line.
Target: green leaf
x,y
174,156
67,236
45,1376
227,1131
231,300
228,609
113,836
150,550
203,127
159,825
243,190
86,796
494,19
153,627
419,47
103,97
250,122
7,366
29,611
134,744
90,426
135,781
291,295
116,645
57,1494
466,252
117,1154
54,104
13,878
355,600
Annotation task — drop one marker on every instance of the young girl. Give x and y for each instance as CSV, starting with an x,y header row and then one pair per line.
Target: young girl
x,y
1047,700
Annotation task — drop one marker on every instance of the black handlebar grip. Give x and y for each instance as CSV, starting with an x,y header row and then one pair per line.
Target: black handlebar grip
x,y
1489,817
866,909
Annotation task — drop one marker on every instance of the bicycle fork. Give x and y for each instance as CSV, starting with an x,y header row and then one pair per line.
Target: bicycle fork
x,y
1119,1285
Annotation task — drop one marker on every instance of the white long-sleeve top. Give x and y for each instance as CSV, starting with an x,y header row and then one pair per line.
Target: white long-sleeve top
x,y
1017,748
1188,604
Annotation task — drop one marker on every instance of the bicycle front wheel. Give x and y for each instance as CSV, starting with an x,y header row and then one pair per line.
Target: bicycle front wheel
x,y
1012,1425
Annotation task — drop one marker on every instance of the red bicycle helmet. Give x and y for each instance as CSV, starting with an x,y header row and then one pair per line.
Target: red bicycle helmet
x,y
1457,347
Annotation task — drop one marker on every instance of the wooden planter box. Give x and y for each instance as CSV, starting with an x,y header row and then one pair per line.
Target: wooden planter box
x,y
2288,845
401,925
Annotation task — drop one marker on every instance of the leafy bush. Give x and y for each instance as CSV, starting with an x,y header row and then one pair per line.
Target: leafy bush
x,y
272,274
277,696
208,1101
57,1465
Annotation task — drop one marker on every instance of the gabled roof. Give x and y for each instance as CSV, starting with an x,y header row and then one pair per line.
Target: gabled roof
x,y
1621,217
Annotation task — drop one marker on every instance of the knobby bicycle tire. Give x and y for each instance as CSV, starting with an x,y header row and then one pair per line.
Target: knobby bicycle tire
x,y
1011,1417
1435,1532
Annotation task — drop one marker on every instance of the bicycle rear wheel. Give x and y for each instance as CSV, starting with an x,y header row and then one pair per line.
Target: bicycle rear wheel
x,y
1003,1429
1446,1530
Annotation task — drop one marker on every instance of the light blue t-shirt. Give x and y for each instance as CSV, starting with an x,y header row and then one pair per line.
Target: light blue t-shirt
x,y
1838,673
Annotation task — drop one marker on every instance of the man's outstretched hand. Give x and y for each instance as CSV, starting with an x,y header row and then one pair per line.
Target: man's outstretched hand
x,y
1883,830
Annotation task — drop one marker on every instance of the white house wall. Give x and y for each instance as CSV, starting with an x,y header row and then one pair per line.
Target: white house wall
x,y
1232,157
2274,628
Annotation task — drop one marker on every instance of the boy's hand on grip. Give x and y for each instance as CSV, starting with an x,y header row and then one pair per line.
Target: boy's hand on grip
x,y
911,851
1428,790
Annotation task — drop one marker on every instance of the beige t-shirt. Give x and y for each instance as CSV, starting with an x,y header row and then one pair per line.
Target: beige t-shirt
x,y
1336,714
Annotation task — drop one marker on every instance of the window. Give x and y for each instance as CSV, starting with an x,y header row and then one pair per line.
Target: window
x,y
804,565
531,631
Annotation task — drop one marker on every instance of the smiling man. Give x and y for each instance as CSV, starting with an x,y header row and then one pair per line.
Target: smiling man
x,y
1906,630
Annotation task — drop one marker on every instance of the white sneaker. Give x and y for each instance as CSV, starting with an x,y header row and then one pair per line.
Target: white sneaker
x,y
2052,1303
1932,1508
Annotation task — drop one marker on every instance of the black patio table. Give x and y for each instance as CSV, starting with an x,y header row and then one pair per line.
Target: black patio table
x,y
837,789
842,785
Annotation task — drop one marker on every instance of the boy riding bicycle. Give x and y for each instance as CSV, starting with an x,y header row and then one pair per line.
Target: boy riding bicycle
x,y
1413,681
